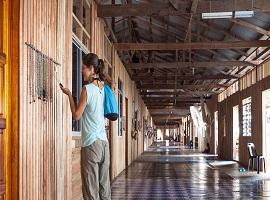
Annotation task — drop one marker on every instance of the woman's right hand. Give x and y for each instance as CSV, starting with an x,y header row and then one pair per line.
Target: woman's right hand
x,y
64,90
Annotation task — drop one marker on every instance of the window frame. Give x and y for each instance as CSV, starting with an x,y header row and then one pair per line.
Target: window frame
x,y
120,107
82,50
244,104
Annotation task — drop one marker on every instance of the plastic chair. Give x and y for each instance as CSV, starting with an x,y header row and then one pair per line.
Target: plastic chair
x,y
254,156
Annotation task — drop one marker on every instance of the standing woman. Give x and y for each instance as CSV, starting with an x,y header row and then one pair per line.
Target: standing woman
x,y
95,156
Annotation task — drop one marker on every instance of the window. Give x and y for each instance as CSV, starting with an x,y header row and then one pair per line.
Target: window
x,y
224,126
81,21
246,106
120,107
77,81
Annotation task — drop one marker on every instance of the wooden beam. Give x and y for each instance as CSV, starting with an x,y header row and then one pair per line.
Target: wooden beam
x,y
193,11
168,111
174,33
172,101
172,86
192,45
162,99
162,9
165,77
129,10
162,126
169,96
155,116
169,118
217,28
178,93
181,104
155,107
111,31
168,123
251,26
173,65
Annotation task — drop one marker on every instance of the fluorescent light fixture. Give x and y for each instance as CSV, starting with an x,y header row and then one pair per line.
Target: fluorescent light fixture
x,y
217,15
234,14
243,14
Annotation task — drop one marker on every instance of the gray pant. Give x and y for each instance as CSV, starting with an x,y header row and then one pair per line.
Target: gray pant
x,y
95,162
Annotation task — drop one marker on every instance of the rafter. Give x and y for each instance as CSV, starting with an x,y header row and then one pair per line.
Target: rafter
x,y
166,98
192,45
172,65
174,33
204,38
167,117
179,37
162,9
168,111
192,11
178,104
178,93
251,26
161,101
165,77
153,107
172,86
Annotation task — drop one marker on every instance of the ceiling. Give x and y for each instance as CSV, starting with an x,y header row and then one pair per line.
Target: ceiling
x,y
178,59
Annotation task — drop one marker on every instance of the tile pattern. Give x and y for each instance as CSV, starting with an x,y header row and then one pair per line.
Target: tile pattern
x,y
175,172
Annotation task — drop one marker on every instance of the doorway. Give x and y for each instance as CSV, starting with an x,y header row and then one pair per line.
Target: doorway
x,y
236,133
266,125
216,132
127,132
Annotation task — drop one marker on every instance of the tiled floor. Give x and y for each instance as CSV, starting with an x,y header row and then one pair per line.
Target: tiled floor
x,y
174,172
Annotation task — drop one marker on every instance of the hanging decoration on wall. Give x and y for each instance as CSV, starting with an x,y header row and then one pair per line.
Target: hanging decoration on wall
x,y
134,129
41,71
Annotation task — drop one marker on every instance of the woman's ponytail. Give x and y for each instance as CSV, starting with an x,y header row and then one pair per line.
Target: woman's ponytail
x,y
101,69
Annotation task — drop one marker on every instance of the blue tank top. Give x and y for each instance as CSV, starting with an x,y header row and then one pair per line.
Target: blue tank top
x,y
93,121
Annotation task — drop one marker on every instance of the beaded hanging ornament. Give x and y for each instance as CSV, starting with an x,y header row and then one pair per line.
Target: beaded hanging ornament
x,y
40,74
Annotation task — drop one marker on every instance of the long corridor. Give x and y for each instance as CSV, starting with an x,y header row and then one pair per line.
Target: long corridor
x,y
171,171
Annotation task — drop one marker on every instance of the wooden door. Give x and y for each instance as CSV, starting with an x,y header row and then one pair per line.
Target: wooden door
x,y
127,132
2,120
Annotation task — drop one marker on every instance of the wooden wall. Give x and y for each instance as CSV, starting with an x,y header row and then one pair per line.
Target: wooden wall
x,y
251,85
118,147
136,147
45,127
226,108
